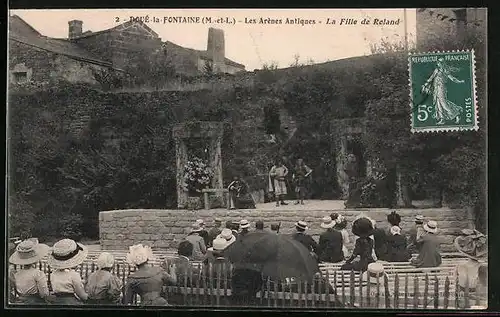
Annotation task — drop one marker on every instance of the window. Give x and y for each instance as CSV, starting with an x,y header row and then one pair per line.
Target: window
x,y
20,74
20,77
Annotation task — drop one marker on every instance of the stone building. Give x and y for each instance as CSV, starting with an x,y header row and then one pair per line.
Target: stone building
x,y
434,22
34,57
37,58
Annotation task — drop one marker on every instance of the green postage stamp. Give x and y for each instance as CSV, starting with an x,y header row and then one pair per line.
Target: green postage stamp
x,y
443,91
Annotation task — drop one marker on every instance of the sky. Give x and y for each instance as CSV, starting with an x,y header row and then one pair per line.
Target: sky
x,y
251,44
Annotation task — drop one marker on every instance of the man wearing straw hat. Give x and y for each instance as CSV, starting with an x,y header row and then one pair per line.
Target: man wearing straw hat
x,y
429,255
415,234
330,242
199,246
215,230
203,232
29,282
301,236
244,226
66,282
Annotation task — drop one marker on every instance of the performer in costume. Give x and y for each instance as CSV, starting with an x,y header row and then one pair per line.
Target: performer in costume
x,y
278,175
302,171
239,193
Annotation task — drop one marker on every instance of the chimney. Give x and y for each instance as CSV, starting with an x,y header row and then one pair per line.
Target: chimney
x,y
461,23
216,48
75,28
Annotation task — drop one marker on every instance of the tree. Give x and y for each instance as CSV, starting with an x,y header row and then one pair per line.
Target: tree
x,y
150,68
270,66
296,59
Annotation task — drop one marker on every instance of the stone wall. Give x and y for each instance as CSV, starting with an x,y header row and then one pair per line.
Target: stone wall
x,y
46,66
119,229
121,47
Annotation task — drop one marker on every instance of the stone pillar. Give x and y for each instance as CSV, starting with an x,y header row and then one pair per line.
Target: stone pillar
x,y
216,49
403,195
216,162
342,178
181,159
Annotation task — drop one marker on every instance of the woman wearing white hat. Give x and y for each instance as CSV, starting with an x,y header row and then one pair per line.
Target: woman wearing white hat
x,y
147,281
227,234
217,260
102,286
30,283
429,255
67,283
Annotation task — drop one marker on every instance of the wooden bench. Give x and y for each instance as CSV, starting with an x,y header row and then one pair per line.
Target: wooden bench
x,y
206,191
408,280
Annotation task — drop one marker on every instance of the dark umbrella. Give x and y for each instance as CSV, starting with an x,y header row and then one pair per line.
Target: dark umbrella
x,y
362,227
276,256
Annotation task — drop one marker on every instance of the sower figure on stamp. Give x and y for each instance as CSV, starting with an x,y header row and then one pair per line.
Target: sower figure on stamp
x,y
436,86
302,171
278,175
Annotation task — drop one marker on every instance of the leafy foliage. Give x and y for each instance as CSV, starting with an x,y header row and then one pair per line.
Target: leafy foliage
x,y
197,175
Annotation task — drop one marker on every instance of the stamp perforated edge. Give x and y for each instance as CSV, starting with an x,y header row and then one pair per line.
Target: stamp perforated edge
x,y
446,129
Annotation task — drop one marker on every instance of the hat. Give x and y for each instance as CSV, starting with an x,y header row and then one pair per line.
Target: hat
x,y
105,260
139,254
340,222
395,230
195,227
474,246
201,222
394,218
431,226
218,220
219,244
375,272
66,254
244,224
227,234
327,223
301,225
29,252
419,219
362,227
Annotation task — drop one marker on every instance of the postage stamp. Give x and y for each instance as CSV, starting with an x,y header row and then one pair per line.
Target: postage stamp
x,y
442,86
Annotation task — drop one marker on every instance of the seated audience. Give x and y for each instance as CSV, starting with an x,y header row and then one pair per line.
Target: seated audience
x,y
102,287
199,246
429,255
330,242
396,246
67,283
147,281
28,281
363,248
